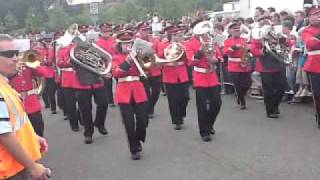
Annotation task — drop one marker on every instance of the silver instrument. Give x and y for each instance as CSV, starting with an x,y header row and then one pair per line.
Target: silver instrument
x,y
86,54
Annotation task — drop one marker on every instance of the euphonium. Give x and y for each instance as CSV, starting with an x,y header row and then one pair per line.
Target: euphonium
x,y
86,54
145,54
276,45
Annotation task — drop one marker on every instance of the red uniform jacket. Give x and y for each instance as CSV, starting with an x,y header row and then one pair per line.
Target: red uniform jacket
x,y
108,44
201,79
313,45
23,82
172,74
233,65
127,91
156,70
69,77
257,51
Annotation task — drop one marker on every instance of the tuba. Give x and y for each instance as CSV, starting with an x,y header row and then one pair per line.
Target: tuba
x,y
276,46
32,59
205,29
86,55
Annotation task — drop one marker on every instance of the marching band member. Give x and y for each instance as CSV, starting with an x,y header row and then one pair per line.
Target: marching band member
x,y
67,80
311,38
175,78
87,86
205,81
108,43
272,74
238,66
47,55
153,82
23,83
57,75
130,94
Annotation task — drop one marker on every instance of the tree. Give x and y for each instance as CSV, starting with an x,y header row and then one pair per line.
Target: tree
x,y
58,19
35,22
121,13
10,21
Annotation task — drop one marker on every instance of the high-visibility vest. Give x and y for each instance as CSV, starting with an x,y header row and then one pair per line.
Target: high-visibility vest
x,y
24,133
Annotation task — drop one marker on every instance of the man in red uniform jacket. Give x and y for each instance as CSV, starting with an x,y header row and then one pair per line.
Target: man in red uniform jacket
x,y
108,43
23,82
84,85
153,82
46,52
175,78
206,83
272,74
239,70
130,95
311,38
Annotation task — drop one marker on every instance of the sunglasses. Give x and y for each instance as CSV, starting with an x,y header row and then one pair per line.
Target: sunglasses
x,y
9,53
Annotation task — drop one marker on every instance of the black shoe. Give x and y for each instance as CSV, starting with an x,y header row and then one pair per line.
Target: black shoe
x,y
112,105
274,116
54,112
150,116
243,107
178,127
212,131
206,138
88,140
103,130
139,147
277,111
75,129
65,118
135,156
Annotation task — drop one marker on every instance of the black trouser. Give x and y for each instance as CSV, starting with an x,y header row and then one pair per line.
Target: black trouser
x,y
153,87
242,83
84,98
315,85
61,100
108,88
178,98
208,107
50,93
71,106
274,85
135,120
37,122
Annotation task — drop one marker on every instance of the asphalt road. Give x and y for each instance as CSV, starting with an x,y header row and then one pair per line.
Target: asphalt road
x,y
247,146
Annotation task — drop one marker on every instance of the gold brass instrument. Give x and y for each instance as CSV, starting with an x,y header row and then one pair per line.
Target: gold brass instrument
x,y
174,52
144,53
32,59
247,56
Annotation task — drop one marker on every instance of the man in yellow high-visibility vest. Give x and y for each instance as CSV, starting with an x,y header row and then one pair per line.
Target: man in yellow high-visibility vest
x,y
20,147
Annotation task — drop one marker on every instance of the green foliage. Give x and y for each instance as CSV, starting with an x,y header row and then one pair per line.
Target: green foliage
x,y
35,22
57,18
83,17
124,12
175,8
33,15
10,21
